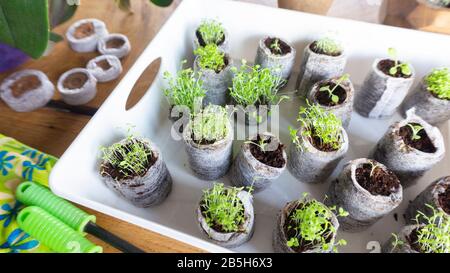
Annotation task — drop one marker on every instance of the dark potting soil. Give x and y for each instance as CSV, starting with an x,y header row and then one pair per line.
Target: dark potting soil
x,y
380,182
413,240
217,227
315,49
271,158
25,84
444,199
318,144
423,144
202,42
323,97
107,169
386,64
284,47
202,141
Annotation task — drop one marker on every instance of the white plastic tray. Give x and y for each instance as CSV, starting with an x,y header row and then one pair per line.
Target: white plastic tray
x,y
76,178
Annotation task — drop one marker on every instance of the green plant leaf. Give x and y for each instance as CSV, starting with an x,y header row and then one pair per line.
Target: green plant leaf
x,y
55,37
335,99
393,70
60,12
162,3
24,25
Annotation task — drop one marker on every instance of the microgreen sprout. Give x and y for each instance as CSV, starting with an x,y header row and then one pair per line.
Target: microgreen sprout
x,y
328,46
185,88
334,98
211,125
130,158
212,31
373,167
222,208
210,57
404,68
311,223
438,82
253,85
276,46
261,144
415,131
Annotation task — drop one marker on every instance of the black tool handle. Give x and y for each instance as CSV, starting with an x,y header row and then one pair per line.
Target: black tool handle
x,y
111,239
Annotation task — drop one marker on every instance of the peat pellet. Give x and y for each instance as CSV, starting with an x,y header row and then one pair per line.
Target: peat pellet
x,y
223,45
403,242
77,86
248,170
26,90
316,67
381,94
279,236
209,161
407,162
114,44
429,107
148,190
364,207
436,195
311,165
231,239
344,108
105,68
216,84
280,61
83,35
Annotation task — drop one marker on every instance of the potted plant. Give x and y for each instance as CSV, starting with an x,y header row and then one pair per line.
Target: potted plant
x,y
114,44
214,66
436,197
410,148
307,226
84,35
135,169
318,146
334,95
261,160
429,234
211,32
225,215
26,90
209,142
322,59
385,87
77,86
277,55
254,89
432,97
367,190
105,68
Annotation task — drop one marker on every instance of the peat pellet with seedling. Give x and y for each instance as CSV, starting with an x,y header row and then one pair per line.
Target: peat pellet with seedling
x,y
385,87
317,146
83,35
135,169
367,190
225,215
322,59
436,197
410,148
209,142
336,96
77,86
261,160
307,226
431,99
277,55
105,68
214,66
211,31
26,90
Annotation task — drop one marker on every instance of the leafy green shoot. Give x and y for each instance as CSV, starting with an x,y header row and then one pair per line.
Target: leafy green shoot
x,y
275,46
434,235
328,46
185,88
210,125
438,82
404,68
210,57
312,225
261,144
222,208
211,31
334,98
374,166
415,129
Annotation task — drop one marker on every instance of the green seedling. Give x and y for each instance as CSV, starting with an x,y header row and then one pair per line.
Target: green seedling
x,y
212,124
334,98
261,144
404,68
275,46
328,46
211,31
222,207
438,82
415,131
210,57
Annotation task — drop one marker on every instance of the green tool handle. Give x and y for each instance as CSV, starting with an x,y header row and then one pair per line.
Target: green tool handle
x,y
32,194
53,233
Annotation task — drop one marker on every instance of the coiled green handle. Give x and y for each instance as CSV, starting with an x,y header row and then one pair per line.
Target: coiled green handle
x,y
53,233
32,194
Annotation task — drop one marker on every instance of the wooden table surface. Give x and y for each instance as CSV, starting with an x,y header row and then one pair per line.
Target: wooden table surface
x,y
52,131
